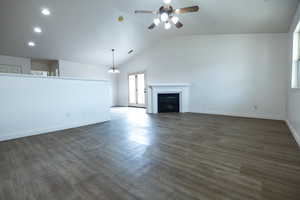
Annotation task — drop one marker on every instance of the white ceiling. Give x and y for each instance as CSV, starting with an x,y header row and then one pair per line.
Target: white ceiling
x,y
85,30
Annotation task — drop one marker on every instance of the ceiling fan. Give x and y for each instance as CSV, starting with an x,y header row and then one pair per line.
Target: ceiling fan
x,y
167,15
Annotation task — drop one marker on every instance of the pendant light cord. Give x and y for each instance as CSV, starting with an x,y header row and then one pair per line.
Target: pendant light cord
x,y
113,54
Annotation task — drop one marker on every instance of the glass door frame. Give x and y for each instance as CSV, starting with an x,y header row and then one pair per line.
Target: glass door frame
x,y
145,90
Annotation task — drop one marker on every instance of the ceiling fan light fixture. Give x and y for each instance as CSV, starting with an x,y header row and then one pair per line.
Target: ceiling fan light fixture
x,y
175,19
167,25
156,21
164,17
167,15
167,1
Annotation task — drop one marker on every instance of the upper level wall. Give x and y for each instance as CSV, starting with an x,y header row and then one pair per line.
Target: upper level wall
x,y
25,63
79,70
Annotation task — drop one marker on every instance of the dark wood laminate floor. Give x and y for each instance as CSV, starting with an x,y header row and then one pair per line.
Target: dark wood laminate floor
x,y
167,156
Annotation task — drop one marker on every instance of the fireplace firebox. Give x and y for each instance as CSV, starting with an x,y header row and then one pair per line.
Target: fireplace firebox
x,y
168,103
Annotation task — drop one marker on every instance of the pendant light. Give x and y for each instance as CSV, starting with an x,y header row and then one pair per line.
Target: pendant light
x,y
113,69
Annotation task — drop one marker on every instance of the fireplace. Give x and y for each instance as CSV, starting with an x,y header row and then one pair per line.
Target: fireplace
x,y
178,97
168,103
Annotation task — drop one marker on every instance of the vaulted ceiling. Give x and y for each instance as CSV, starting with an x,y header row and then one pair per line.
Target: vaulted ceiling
x,y
85,30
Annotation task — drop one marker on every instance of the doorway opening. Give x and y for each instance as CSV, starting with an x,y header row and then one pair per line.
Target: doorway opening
x,y
137,90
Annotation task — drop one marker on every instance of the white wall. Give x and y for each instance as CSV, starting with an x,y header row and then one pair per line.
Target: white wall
x,y
293,94
230,74
73,69
25,63
114,89
78,70
32,105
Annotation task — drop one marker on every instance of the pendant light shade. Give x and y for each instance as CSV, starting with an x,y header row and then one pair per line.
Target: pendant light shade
x,y
113,69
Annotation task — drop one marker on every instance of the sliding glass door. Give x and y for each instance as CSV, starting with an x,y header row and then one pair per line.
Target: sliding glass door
x,y
137,89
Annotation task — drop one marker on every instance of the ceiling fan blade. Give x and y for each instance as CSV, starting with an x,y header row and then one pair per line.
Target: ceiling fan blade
x,y
144,12
186,10
179,25
152,26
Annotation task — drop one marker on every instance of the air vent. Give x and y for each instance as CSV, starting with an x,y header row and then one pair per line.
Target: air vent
x,y
131,51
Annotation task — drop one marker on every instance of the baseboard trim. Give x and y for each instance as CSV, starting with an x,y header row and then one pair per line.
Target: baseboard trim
x,y
47,130
294,132
250,115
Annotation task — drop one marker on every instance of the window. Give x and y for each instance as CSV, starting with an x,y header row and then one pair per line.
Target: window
x,y
296,58
298,73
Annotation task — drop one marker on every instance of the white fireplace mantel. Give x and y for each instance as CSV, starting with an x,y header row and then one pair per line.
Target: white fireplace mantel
x,y
155,89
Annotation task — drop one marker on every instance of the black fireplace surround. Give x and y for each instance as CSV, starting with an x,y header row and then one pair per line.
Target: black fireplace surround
x,y
168,103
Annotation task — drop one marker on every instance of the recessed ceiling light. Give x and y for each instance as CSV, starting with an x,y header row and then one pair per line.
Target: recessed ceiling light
x,y
31,44
46,11
37,30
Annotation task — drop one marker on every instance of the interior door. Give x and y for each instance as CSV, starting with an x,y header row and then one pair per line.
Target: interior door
x,y
137,95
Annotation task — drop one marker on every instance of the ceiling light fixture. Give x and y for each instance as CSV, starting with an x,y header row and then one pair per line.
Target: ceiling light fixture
x,y
167,1
37,30
164,17
167,25
166,13
156,21
175,19
113,69
46,11
31,44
